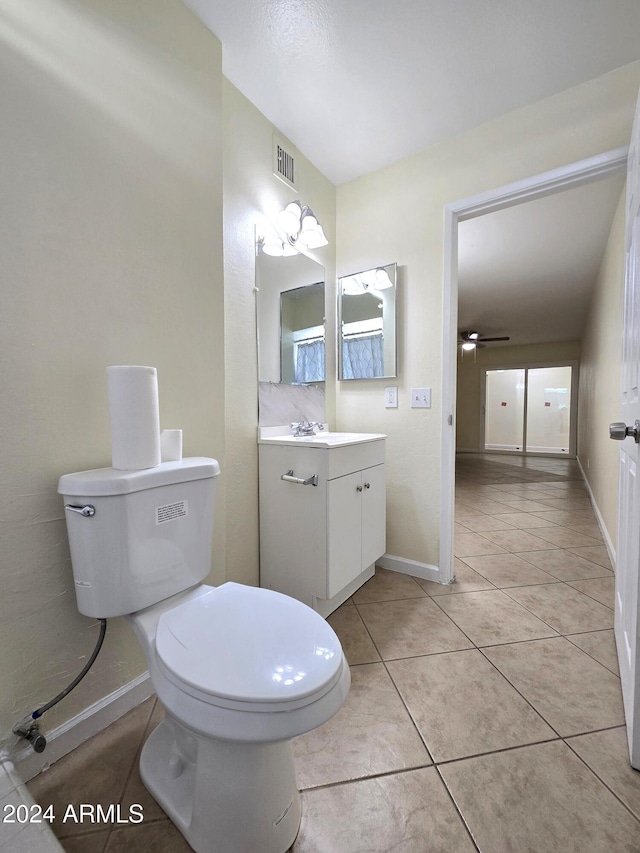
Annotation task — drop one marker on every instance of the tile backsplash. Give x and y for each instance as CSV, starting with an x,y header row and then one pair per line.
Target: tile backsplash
x,y
283,404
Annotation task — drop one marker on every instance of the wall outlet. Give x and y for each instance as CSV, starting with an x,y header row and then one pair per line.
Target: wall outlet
x,y
391,397
421,398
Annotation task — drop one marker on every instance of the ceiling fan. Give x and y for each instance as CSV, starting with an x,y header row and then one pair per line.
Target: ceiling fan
x,y
474,340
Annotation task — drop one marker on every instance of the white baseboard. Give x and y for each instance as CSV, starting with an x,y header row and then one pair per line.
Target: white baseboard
x,y
603,529
91,721
410,567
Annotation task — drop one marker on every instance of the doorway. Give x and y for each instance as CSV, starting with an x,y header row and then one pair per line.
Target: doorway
x,y
574,175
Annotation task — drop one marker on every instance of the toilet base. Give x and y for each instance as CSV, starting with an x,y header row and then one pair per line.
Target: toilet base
x,y
223,796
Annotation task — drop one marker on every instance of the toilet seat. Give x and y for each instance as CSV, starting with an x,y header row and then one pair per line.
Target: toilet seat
x,y
246,648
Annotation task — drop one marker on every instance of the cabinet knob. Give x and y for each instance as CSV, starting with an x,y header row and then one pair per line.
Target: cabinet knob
x,y
358,488
367,485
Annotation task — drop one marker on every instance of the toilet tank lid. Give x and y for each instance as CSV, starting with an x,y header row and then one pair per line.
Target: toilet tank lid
x,y
111,481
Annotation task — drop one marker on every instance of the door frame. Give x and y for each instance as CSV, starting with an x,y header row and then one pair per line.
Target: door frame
x,y
573,422
547,183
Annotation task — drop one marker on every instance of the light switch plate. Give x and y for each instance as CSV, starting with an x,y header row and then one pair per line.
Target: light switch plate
x,y
421,398
391,397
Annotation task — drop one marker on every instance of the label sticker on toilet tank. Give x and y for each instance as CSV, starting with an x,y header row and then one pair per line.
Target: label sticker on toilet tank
x,y
169,512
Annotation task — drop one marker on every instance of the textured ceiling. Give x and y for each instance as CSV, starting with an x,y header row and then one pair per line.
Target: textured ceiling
x,y
359,84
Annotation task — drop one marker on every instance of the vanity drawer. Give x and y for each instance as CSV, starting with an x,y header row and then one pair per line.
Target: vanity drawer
x,y
354,457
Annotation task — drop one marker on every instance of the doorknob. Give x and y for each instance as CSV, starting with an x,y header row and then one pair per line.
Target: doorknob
x,y
619,431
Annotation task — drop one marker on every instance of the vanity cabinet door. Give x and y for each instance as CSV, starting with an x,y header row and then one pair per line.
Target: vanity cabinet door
x,y
356,510
344,524
374,515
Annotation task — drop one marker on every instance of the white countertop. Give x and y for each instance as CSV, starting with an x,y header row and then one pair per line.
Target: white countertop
x,y
322,438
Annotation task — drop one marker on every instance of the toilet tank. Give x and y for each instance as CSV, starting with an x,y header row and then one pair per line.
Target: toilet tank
x,y
145,536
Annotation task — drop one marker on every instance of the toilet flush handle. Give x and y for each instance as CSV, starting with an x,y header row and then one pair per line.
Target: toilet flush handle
x,y
88,511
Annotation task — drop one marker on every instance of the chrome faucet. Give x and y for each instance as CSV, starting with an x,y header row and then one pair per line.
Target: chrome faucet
x,y
305,427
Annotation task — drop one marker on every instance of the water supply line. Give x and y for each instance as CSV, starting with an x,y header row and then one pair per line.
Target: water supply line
x,y
29,728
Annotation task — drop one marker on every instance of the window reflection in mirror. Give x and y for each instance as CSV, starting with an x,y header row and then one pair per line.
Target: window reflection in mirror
x,y
290,318
367,322
302,334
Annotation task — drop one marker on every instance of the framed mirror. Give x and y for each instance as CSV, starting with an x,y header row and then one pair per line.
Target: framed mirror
x,y
290,318
367,324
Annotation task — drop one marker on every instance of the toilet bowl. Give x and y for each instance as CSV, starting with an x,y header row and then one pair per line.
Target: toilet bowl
x,y
239,670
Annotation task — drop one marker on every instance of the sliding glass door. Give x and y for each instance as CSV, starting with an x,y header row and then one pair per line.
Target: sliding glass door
x,y
529,409
548,409
504,410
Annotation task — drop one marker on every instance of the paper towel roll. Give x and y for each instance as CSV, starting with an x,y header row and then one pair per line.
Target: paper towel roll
x,y
171,445
134,416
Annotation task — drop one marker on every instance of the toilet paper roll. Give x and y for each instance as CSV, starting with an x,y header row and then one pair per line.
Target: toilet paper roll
x,y
134,415
171,445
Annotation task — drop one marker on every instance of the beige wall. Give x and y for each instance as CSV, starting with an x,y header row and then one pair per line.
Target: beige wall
x,y
111,252
396,214
599,395
469,388
253,196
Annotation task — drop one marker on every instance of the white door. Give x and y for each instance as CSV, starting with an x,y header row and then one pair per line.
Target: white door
x,y
627,627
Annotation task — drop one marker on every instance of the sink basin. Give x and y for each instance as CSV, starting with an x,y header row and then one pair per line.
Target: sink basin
x,y
332,439
322,438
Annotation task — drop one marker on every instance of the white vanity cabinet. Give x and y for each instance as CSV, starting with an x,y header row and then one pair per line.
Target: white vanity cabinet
x,y
319,543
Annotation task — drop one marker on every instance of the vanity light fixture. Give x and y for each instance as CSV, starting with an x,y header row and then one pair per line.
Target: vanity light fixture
x,y
272,245
301,226
382,280
364,282
352,285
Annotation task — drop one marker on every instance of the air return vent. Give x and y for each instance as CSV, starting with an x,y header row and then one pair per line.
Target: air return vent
x,y
283,163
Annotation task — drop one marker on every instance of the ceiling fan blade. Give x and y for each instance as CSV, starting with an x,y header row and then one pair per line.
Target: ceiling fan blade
x,y
477,339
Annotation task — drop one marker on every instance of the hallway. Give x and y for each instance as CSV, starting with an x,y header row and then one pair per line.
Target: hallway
x,y
483,716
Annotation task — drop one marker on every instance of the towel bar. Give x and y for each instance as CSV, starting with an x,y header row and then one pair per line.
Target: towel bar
x,y
299,481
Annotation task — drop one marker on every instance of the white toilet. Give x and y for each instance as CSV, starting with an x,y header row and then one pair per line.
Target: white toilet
x,y
240,670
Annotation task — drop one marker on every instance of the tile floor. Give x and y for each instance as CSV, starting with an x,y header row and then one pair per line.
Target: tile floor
x,y
483,716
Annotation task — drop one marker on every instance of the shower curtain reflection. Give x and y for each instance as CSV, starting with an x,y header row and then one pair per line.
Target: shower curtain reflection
x,y
362,357
309,361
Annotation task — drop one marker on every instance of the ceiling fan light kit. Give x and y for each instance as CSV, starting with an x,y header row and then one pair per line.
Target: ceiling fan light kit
x,y
474,340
